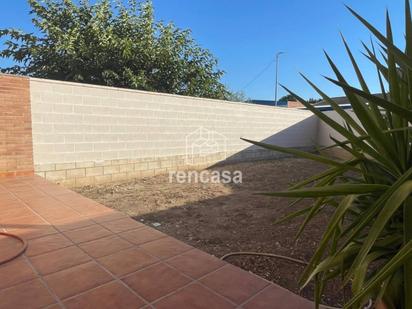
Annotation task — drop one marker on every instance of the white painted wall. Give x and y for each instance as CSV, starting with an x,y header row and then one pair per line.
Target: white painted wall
x,y
79,122
324,131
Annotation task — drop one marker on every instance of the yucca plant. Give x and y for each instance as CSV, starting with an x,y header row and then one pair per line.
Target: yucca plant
x,y
368,240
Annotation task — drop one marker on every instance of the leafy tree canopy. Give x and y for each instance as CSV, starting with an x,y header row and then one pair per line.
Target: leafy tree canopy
x,y
286,98
290,97
313,100
115,45
239,96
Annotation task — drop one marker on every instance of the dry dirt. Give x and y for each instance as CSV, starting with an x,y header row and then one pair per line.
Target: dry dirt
x,y
221,218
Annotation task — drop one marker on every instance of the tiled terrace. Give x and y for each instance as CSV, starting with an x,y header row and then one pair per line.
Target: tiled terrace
x,y
84,255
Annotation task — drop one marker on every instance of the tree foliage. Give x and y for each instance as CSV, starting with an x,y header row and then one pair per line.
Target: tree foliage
x,y
287,97
115,45
238,96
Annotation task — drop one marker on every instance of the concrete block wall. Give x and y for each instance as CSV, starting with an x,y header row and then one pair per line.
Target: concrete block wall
x,y
16,151
325,132
86,134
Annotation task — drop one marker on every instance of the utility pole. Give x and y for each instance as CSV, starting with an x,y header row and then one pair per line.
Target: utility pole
x,y
277,72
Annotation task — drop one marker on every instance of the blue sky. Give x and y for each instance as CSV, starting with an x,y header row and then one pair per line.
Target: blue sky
x,y
245,35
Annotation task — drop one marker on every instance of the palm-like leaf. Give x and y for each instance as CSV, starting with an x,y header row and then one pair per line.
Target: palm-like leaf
x,y
372,220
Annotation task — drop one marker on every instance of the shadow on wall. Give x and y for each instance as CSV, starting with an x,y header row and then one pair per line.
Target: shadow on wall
x,y
289,137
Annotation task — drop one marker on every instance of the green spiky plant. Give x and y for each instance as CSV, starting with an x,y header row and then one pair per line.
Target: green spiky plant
x,y
368,240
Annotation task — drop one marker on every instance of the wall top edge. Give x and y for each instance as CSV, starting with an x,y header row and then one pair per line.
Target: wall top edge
x,y
14,76
57,82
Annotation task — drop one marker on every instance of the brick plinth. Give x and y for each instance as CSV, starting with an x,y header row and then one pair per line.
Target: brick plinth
x,y
16,148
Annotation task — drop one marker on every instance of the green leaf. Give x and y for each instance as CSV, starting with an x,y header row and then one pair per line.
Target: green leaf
x,y
404,113
405,60
344,205
296,152
391,206
334,190
388,269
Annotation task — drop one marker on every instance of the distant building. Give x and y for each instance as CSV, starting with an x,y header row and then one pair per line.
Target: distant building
x,y
322,105
338,100
267,103
343,102
295,104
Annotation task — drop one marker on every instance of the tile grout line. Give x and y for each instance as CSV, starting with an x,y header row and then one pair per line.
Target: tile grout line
x,y
160,261
118,279
198,280
28,207
41,276
193,281
44,283
63,202
256,295
30,264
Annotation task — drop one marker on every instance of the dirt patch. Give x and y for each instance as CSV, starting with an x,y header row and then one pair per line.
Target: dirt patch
x,y
221,218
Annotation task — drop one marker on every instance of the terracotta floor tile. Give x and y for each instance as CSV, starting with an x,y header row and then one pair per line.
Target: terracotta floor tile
x,y
31,294
165,247
123,246
110,215
142,235
77,279
69,198
234,283
59,259
193,296
110,296
196,263
15,272
126,261
30,231
42,202
87,234
8,206
121,225
72,224
55,306
51,209
56,190
86,206
31,219
16,212
25,189
156,281
105,246
28,195
7,201
56,215
277,297
9,246
47,243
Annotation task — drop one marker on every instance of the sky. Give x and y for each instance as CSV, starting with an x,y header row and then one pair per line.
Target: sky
x,y
245,35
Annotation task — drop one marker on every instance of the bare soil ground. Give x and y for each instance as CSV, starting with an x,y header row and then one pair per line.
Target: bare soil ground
x,y
220,219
